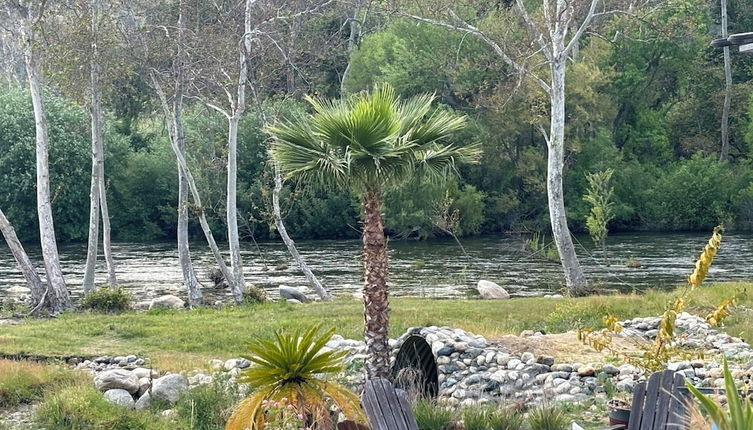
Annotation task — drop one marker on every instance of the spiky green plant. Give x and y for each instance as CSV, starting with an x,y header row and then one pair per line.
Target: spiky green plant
x,y
431,416
476,418
506,419
547,418
740,413
289,369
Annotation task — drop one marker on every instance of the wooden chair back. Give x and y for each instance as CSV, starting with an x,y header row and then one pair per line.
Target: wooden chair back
x,y
386,407
660,403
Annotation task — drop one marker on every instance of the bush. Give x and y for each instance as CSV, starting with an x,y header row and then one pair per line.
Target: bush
x,y
25,382
547,418
431,416
254,294
82,407
104,299
476,418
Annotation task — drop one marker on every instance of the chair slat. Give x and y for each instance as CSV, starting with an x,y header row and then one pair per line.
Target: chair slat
x,y
649,407
386,407
636,410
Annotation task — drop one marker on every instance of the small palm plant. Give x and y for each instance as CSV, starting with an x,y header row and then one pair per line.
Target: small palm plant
x,y
288,370
367,143
740,414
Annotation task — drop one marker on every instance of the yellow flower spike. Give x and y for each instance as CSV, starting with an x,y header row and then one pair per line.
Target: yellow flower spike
x,y
705,259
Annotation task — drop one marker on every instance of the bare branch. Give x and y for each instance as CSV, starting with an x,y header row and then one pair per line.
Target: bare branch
x,y
583,26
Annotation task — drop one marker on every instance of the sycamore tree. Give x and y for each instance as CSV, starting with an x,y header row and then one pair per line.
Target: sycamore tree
x,y
535,40
367,143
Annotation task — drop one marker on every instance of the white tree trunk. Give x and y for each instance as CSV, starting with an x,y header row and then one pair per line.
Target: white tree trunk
x,y
320,290
183,165
57,299
24,264
724,152
184,254
575,279
112,279
232,209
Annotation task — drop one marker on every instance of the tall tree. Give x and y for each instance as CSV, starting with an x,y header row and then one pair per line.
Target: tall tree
x,y
98,192
548,31
29,16
367,143
724,152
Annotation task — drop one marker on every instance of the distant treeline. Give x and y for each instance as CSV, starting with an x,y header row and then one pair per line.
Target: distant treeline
x,y
645,102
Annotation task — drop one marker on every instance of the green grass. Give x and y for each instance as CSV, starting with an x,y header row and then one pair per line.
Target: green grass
x,y
25,382
176,340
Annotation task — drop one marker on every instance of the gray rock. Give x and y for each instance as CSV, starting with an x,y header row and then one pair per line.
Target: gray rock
x,y
168,301
120,397
490,290
117,378
294,301
287,293
142,372
143,402
144,384
169,387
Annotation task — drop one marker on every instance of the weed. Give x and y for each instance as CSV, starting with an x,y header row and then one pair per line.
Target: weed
x,y
108,300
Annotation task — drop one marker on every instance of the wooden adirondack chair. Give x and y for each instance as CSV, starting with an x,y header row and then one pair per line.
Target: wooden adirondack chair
x,y
386,407
659,404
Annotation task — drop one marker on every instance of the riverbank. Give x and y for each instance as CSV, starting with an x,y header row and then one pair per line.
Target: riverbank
x,y
184,340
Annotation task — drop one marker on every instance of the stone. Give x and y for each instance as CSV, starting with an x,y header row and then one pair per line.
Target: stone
x,y
294,302
120,397
117,379
168,301
586,370
490,290
169,387
141,372
144,384
610,369
230,364
18,290
143,402
545,360
293,293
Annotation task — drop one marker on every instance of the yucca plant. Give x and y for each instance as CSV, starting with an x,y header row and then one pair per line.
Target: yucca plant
x,y
740,413
288,369
367,143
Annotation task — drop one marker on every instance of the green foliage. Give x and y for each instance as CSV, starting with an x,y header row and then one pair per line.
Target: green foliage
x,y
739,413
105,299
476,418
82,407
506,419
207,407
547,418
432,416
599,196
290,367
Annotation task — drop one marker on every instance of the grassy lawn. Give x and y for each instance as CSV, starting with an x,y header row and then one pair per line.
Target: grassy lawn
x,y
177,340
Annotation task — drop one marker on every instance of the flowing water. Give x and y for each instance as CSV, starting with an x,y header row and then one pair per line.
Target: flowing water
x,y
434,268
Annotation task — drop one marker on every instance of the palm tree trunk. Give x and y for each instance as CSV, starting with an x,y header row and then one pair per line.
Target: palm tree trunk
x,y
31,275
375,297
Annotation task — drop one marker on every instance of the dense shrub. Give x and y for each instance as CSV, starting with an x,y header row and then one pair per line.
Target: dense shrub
x,y
106,299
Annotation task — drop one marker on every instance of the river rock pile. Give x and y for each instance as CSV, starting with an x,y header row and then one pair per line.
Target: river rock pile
x,y
470,369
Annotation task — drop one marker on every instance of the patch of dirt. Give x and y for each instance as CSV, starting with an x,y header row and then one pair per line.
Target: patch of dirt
x,y
564,347
9,321
19,417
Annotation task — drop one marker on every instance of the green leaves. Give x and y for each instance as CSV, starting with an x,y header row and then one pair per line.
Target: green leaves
x,y
369,141
740,413
288,368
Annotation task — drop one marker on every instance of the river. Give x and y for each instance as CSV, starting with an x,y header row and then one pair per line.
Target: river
x,y
434,268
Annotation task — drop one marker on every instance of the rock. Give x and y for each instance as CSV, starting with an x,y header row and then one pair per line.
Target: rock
x,y
169,387
168,301
117,378
289,293
294,301
143,402
18,290
490,290
120,397
545,360
231,364
610,369
142,305
144,384
142,372
584,371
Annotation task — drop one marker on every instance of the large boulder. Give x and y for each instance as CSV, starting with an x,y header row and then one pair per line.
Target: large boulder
x,y
291,293
169,387
120,397
167,302
117,379
490,290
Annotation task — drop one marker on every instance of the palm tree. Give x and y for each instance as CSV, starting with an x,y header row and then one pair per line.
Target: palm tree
x,y
367,143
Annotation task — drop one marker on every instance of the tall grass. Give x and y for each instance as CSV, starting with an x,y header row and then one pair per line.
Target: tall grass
x,y
25,382
431,416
